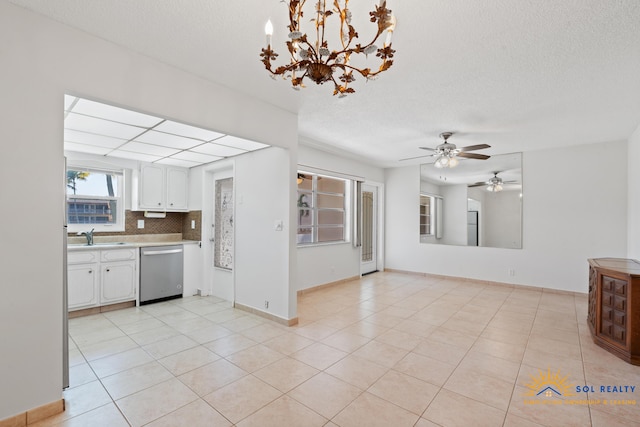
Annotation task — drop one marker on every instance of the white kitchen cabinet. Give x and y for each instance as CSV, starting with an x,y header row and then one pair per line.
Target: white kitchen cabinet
x,y
117,282
160,188
118,278
82,286
101,277
193,262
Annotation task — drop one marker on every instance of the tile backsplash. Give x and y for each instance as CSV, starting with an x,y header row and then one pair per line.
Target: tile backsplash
x,y
175,222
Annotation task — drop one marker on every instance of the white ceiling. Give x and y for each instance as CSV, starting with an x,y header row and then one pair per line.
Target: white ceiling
x,y
515,75
97,128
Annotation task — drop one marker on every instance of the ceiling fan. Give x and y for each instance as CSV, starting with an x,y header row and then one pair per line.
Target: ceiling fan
x,y
495,184
447,154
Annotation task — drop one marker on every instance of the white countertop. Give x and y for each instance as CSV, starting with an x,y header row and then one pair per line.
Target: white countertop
x,y
124,245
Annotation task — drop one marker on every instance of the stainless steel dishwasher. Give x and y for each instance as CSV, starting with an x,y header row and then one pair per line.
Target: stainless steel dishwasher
x,y
161,273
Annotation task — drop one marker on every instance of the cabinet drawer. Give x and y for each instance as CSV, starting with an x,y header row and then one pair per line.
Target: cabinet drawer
x,y
118,254
82,257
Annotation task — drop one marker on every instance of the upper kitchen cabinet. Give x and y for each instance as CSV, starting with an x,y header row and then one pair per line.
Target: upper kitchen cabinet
x,y
163,188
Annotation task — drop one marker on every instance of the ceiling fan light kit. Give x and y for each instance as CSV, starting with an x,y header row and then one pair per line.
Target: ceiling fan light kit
x,y
447,154
313,59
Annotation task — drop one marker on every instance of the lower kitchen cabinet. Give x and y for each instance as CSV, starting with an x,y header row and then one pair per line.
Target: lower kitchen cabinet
x,y
82,285
101,277
117,282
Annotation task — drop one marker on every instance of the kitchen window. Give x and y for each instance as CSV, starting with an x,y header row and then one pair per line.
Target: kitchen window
x,y
322,208
95,199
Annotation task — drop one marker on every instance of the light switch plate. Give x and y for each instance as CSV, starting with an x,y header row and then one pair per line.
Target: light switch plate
x,y
141,223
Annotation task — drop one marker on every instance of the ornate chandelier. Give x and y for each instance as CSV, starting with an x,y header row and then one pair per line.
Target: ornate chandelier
x,y
313,59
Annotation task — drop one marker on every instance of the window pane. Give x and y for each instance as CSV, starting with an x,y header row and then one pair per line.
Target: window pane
x,y
327,201
305,199
91,211
305,182
91,183
305,217
305,235
330,185
330,234
330,217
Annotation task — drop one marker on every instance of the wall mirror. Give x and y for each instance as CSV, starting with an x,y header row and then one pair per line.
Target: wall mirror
x,y
477,203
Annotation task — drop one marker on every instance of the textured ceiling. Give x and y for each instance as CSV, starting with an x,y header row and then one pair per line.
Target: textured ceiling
x,y
515,75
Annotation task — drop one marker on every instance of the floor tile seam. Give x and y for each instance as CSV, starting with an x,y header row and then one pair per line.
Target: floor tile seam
x,y
461,395
313,410
162,416
203,398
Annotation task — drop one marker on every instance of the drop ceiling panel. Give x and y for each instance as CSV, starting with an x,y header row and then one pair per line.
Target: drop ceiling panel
x,y
217,150
101,127
120,115
245,144
168,140
134,156
81,148
196,157
93,127
189,131
177,162
92,139
155,150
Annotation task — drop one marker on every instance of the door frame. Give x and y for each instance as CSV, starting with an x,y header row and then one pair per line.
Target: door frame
x,y
379,211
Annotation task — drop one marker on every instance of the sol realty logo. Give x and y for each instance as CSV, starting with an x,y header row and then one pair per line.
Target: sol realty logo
x,y
549,385
554,388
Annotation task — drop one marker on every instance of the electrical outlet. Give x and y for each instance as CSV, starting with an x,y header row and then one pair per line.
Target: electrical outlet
x,y
193,224
512,272
141,223
266,304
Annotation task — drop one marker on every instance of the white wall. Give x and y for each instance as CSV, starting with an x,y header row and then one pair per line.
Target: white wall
x,y
634,196
502,219
318,265
41,60
262,198
454,214
575,208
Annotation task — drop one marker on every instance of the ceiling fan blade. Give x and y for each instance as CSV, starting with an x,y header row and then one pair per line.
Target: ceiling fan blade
x,y
475,147
427,148
473,156
411,158
477,184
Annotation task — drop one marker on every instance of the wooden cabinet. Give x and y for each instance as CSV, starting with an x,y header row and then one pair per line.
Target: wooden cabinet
x,y
614,306
160,188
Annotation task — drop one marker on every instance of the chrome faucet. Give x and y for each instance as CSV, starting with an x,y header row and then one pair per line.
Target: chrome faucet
x,y
88,235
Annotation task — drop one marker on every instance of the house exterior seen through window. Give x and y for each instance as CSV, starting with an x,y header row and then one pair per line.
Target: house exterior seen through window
x,y
95,200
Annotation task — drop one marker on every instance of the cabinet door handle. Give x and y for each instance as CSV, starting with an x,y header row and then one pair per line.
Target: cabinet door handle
x,y
159,203
108,270
171,204
90,271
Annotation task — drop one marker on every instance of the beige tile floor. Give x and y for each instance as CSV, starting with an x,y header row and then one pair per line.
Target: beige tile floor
x,y
387,350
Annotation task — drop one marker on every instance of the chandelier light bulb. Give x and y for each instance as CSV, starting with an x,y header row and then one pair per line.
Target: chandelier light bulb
x,y
453,162
268,30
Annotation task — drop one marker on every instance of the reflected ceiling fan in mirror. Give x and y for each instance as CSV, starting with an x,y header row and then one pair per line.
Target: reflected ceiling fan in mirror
x,y
495,184
447,154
